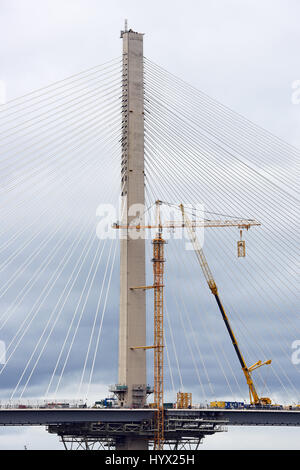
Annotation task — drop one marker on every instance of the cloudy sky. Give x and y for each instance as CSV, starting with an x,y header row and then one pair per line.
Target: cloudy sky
x,y
243,54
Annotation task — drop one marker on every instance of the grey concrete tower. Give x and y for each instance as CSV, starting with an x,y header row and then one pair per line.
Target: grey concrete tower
x,y
132,329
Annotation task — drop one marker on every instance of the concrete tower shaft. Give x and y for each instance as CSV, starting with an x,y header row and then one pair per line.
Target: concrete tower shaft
x,y
132,329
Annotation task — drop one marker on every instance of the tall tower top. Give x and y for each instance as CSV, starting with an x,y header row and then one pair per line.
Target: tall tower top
x,y
126,30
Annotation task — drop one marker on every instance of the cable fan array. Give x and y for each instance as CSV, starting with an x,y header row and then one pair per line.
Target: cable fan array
x,y
60,159
60,156
200,153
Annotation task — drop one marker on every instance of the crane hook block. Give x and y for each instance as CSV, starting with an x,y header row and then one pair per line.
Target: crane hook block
x,y
241,249
241,246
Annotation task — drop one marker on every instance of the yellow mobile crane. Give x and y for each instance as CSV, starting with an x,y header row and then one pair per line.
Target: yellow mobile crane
x,y
254,398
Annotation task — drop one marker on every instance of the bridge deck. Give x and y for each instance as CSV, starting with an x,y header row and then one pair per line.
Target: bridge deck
x,y
44,417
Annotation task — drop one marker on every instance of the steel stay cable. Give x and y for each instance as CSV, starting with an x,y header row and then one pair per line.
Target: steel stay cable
x,y
114,132
174,296
274,371
193,332
96,316
165,339
222,149
51,330
157,127
214,349
243,337
296,151
94,322
20,270
111,73
166,170
190,349
91,281
107,110
283,371
47,261
172,152
180,266
77,326
13,256
59,356
241,159
97,312
214,128
169,364
66,181
40,338
233,113
249,273
33,317
61,117
86,166
170,176
283,266
59,163
100,329
212,117
30,260
66,153
150,201
189,211
173,343
61,159
190,324
169,144
112,102
28,325
52,114
188,176
58,81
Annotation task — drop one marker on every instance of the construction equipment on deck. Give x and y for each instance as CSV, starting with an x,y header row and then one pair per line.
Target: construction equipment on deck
x,y
184,400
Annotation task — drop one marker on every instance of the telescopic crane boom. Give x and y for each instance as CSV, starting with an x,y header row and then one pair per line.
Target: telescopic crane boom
x,y
254,398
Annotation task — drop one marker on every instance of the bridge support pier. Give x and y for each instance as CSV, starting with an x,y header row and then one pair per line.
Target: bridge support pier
x,y
183,430
130,443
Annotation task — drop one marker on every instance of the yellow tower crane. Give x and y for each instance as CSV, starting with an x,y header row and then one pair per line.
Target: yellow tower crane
x,y
158,279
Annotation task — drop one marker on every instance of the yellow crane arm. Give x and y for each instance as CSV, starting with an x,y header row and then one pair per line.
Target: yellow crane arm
x,y
254,398
172,224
